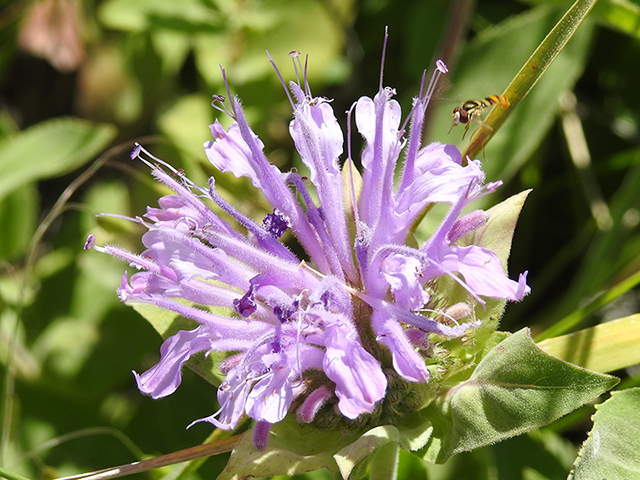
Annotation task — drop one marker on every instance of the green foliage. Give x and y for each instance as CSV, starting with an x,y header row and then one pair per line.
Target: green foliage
x,y
292,449
67,346
49,149
611,450
514,389
606,347
492,52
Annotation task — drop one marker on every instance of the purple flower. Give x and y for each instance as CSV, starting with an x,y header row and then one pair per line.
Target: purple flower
x,y
323,335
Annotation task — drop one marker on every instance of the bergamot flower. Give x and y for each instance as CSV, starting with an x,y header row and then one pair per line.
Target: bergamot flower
x,y
334,336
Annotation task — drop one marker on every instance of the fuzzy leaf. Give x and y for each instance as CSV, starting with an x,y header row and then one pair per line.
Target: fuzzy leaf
x,y
369,442
516,388
611,451
497,234
411,433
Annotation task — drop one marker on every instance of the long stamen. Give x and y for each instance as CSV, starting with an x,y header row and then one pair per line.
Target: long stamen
x,y
219,99
354,203
441,69
136,154
425,97
226,85
307,88
297,66
282,82
424,76
384,54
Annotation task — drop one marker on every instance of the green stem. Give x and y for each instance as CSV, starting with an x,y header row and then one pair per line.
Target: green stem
x,y
10,475
529,74
186,470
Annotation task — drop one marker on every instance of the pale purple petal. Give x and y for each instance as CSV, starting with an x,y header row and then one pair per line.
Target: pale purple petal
x,y
163,379
358,376
318,139
404,275
482,272
378,121
406,360
442,179
271,397
228,152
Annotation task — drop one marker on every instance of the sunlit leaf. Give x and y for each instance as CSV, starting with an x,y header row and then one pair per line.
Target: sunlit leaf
x,y
606,347
49,149
186,15
622,15
371,441
279,27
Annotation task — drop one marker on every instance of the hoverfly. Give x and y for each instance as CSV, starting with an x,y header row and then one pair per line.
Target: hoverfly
x,y
474,108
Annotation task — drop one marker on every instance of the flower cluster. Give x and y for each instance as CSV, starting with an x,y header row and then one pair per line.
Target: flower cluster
x,y
329,335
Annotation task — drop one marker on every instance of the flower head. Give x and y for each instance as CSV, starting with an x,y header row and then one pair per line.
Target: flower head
x,y
331,335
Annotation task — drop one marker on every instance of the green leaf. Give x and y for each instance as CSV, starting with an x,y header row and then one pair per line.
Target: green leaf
x,y
611,451
18,217
621,15
186,15
49,149
373,440
497,233
606,347
384,463
411,433
166,322
305,25
516,388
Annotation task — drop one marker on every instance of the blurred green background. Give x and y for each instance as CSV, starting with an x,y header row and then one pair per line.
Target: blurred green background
x,y
82,80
